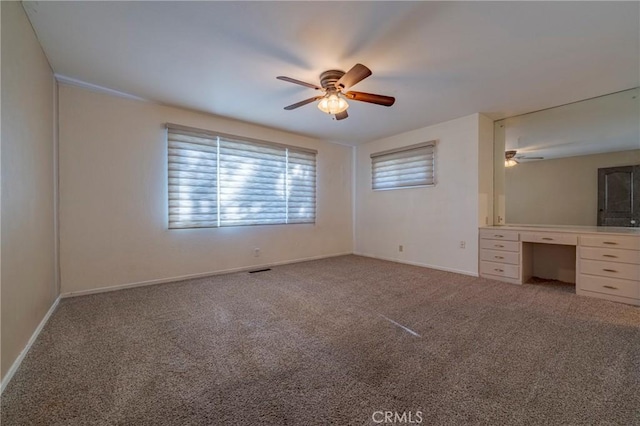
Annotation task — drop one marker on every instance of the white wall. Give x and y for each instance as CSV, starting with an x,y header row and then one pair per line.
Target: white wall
x,y
429,222
113,198
561,191
28,235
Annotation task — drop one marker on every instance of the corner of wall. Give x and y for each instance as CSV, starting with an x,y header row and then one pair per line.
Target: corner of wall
x,y
485,170
354,189
56,187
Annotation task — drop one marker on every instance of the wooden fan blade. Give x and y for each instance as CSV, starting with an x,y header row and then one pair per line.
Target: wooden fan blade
x,y
354,76
301,83
302,103
342,115
371,98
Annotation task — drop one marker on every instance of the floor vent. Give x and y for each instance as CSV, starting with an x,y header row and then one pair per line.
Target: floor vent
x,y
260,270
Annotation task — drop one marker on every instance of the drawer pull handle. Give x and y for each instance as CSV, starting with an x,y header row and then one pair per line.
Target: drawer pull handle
x,y
499,236
499,270
547,239
610,255
610,286
609,270
498,257
499,245
611,243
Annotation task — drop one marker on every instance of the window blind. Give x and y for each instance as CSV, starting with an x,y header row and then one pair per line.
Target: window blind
x,y
220,180
301,187
405,167
252,184
193,180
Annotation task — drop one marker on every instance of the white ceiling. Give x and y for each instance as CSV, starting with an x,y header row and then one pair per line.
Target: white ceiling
x,y
441,60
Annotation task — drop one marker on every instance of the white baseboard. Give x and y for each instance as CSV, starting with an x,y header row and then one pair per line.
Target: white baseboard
x,y
194,276
16,364
424,265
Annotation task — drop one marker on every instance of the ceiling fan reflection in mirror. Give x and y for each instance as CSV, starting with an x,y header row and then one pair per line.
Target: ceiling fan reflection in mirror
x,y
335,85
510,158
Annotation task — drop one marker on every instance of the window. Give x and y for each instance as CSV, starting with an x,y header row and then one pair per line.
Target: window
x,y
406,167
220,180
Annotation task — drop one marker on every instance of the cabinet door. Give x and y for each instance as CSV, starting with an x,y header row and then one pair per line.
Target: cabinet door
x,y
619,196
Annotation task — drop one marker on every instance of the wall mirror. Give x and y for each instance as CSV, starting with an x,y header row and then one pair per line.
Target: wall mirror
x,y
546,164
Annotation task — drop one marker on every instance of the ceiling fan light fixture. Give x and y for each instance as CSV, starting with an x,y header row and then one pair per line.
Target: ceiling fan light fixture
x,y
332,104
509,161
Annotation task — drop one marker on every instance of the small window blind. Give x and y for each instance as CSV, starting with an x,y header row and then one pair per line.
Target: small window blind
x,y
220,180
405,167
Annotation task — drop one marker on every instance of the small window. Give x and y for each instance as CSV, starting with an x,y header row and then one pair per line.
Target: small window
x,y
406,167
220,180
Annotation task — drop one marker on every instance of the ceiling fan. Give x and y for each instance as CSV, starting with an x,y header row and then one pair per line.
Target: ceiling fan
x,y
510,158
334,85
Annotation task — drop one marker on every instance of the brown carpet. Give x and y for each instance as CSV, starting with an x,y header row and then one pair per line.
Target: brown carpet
x,y
315,343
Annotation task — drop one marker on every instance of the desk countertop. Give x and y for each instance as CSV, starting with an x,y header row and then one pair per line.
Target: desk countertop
x,y
571,229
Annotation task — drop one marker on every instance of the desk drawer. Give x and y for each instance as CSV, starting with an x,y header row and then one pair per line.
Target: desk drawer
x,y
549,238
512,258
611,286
611,241
500,245
498,234
610,255
499,269
624,271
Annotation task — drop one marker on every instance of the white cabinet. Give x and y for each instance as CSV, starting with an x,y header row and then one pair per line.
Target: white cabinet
x,y
501,255
609,268
607,260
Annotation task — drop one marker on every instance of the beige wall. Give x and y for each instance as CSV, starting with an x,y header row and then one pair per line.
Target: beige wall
x,y
28,242
430,222
113,198
562,191
485,170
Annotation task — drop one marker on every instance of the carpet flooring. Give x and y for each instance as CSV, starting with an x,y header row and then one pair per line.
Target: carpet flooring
x,y
334,341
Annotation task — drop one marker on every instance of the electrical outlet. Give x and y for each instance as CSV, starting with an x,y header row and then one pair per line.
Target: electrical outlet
x,y
463,244
256,252
400,248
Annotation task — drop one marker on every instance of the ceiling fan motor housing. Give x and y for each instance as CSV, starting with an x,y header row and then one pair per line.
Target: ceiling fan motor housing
x,y
328,80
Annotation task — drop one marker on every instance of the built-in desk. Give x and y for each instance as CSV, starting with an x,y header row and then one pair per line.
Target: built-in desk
x,y
607,259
